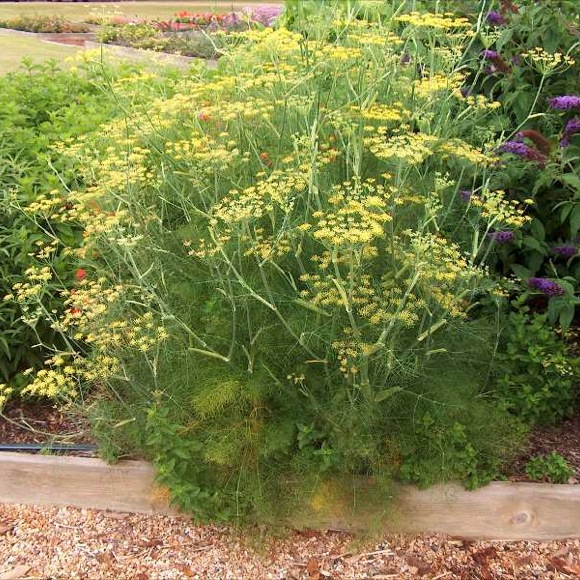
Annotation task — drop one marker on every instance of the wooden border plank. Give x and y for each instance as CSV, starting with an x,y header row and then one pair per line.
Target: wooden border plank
x,y
80,482
498,511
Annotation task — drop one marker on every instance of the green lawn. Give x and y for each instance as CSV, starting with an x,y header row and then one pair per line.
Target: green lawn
x,y
13,47
79,10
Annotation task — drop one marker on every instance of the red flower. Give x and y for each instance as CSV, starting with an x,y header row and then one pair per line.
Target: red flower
x,y
81,274
265,157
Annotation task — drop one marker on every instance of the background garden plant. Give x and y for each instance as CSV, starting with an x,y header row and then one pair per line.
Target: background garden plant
x,y
187,33
290,267
41,106
43,23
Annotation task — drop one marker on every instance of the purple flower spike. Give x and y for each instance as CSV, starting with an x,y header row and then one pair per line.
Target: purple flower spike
x,y
495,18
546,286
515,147
501,237
565,250
524,151
565,102
571,128
489,54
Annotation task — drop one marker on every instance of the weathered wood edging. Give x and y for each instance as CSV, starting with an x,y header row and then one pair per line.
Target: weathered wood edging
x,y
499,511
83,482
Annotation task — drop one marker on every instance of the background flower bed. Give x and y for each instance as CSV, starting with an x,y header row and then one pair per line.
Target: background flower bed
x,y
187,33
301,254
43,24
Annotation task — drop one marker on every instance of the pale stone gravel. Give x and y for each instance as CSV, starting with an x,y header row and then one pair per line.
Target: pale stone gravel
x,y
52,543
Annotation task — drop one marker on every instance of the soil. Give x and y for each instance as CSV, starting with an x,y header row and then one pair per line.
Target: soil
x,y
42,423
564,439
74,39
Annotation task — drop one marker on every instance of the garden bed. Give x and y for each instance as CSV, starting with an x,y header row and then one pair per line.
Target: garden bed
x,y
499,511
41,423
190,278
563,439
186,33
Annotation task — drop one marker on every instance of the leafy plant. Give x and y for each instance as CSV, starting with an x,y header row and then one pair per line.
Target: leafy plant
x,y
446,454
552,468
41,107
526,57
538,375
137,34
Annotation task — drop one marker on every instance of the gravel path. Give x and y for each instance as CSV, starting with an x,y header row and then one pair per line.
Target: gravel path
x,y
66,543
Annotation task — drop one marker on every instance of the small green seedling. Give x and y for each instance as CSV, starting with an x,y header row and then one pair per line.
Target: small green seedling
x,y
552,468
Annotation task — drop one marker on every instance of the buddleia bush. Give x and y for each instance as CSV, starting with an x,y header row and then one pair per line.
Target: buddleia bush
x,y
286,283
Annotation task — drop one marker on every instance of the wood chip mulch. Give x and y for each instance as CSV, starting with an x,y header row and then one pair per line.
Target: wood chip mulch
x,y
52,543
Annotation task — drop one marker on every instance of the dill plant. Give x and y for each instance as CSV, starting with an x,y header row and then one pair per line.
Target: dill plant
x,y
283,274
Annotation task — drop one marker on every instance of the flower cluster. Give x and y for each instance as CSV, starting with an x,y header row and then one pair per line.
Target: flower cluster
x,y
495,18
498,210
429,86
265,14
546,62
501,237
546,286
565,102
565,250
410,148
524,151
358,214
572,128
498,64
277,189
446,21
489,54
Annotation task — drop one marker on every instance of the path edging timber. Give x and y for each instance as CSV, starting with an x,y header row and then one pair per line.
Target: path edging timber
x,y
498,511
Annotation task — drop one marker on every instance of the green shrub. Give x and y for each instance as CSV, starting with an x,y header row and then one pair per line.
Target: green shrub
x,y
310,258
37,108
538,374
136,34
536,60
40,239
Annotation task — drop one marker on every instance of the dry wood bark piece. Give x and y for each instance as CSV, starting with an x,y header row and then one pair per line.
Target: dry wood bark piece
x,y
17,572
